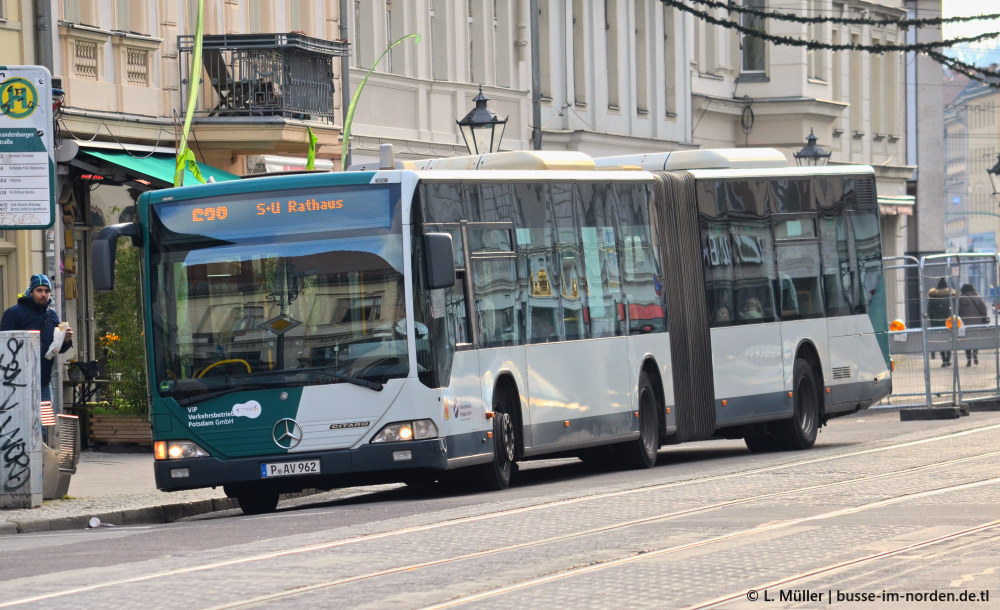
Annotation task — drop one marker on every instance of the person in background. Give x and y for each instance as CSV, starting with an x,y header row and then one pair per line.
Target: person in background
x,y
751,309
939,310
973,310
722,315
34,312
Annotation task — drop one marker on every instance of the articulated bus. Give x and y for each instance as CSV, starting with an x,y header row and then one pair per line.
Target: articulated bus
x,y
446,320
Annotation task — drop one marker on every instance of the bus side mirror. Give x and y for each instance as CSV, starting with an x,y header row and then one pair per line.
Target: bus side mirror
x,y
104,250
440,259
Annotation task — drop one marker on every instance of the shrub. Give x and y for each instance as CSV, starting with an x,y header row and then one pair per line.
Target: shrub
x,y
120,337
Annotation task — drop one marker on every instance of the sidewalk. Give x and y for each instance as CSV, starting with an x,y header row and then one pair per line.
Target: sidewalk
x,y
118,489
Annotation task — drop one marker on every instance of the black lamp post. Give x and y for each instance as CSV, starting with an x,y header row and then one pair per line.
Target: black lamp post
x,y
481,128
810,153
994,174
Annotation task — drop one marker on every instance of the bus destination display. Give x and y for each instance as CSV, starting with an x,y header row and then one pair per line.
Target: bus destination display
x,y
343,209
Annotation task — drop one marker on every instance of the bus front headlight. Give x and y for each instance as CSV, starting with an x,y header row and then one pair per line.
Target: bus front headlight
x,y
176,450
406,431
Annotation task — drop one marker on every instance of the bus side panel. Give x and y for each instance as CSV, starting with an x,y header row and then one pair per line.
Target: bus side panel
x,y
847,346
462,420
494,362
749,374
794,334
656,346
583,395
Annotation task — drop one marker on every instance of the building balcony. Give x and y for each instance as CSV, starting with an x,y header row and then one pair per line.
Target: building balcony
x,y
262,75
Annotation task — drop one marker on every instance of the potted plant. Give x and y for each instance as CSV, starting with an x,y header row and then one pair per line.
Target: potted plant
x,y
73,372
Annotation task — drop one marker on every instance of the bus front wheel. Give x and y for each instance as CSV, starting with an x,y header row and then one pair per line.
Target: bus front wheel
x,y
254,501
497,472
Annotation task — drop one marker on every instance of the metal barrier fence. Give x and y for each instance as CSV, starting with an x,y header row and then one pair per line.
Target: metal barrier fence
x,y
949,348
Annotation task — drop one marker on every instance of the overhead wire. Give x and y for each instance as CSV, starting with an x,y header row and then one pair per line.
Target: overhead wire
x,y
988,76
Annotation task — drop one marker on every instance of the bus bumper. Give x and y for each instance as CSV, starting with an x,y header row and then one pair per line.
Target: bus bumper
x,y
378,462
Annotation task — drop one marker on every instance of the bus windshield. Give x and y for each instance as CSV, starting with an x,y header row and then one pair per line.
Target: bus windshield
x,y
235,309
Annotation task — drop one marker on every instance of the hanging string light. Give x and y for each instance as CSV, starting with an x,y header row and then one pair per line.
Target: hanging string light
x,y
985,75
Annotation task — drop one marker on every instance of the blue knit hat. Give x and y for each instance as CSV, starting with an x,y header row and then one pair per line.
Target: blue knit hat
x,y
39,279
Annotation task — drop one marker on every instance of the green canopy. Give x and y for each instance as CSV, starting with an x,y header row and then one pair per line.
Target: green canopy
x,y
159,167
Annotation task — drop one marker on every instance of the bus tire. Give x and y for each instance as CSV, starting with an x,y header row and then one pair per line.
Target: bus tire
x,y
761,441
799,432
497,472
257,502
641,453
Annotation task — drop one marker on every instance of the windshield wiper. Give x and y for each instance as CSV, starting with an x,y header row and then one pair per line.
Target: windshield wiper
x,y
329,372
232,382
229,389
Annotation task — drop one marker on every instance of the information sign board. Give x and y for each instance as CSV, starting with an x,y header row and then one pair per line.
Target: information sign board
x,y
27,164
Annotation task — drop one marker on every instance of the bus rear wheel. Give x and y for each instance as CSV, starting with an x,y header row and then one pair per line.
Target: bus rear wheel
x,y
799,432
641,453
497,472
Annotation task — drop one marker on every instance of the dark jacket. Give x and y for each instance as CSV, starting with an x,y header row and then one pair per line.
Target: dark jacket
x,y
939,305
27,315
972,309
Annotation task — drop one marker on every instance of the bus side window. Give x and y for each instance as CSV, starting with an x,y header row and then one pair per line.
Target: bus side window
x,y
572,294
868,249
496,292
840,287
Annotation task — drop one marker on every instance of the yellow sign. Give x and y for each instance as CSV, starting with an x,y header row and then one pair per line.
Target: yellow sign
x,y
18,98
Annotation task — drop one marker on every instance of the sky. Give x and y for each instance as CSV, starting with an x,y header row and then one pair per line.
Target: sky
x,y
983,53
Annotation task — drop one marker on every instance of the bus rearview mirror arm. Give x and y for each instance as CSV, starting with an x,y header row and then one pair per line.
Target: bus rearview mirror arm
x,y
440,260
104,250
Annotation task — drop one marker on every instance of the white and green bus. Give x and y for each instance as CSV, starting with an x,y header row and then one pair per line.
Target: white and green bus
x,y
453,318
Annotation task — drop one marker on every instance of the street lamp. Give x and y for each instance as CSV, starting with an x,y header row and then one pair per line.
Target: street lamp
x,y
810,153
994,174
481,128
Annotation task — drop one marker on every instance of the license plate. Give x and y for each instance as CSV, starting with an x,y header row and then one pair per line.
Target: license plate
x,y
286,469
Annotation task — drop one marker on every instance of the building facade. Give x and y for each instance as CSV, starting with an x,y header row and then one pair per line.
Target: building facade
x,y
21,252
972,141
613,77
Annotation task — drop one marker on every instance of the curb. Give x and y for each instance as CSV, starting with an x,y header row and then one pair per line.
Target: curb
x,y
164,513
931,413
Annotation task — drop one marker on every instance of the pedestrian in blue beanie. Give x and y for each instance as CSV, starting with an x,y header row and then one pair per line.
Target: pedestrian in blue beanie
x,y
33,312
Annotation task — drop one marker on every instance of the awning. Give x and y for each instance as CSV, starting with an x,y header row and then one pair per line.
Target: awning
x,y
156,168
276,163
899,205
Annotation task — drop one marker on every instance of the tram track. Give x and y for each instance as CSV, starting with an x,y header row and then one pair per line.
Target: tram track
x,y
551,505
644,521
770,527
796,579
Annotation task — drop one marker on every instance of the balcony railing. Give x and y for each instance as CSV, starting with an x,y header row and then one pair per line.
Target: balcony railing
x,y
246,75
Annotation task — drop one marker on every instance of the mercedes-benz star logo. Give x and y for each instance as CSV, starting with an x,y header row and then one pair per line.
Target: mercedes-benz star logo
x,y
287,433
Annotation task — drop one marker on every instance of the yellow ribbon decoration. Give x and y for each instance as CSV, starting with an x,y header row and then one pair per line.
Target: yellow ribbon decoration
x,y
184,155
357,94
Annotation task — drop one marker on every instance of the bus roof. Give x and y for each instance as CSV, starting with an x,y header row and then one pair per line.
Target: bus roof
x,y
517,159
709,158
716,158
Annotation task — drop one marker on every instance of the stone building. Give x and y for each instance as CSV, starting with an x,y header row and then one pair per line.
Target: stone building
x,y
613,77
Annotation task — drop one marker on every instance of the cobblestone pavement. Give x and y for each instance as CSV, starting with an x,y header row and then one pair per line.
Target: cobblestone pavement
x,y
711,521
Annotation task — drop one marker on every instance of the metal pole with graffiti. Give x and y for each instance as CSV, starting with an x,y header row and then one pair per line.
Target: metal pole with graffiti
x,y
357,94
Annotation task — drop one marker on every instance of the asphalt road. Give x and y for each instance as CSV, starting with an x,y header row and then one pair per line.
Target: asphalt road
x,y
880,514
